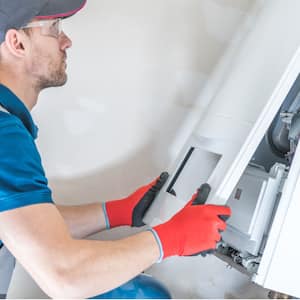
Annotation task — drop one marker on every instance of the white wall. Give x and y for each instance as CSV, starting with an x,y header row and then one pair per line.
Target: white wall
x,y
136,72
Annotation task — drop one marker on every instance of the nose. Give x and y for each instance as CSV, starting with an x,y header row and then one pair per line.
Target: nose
x,y
65,41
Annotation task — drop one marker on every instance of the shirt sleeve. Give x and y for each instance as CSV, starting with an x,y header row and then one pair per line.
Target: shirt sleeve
x,y
22,177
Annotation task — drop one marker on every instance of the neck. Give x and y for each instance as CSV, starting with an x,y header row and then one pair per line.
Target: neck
x,y
23,89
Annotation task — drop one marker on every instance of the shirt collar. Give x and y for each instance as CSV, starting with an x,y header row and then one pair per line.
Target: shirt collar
x,y
16,107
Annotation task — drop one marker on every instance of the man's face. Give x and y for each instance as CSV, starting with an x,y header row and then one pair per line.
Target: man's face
x,y
47,56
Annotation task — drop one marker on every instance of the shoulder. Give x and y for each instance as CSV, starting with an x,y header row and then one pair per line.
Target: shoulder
x,y
17,144
22,177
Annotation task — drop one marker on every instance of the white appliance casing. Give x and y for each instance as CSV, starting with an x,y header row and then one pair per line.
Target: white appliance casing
x,y
232,128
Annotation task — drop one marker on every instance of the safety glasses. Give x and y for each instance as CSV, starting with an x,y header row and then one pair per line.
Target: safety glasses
x,y
51,27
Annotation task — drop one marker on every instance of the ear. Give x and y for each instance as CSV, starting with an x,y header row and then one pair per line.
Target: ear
x,y
15,41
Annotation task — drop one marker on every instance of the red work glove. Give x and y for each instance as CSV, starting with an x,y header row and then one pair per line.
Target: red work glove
x,y
131,210
194,229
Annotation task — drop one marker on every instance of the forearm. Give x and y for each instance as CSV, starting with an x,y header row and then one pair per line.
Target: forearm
x,y
101,266
65,267
83,220
94,267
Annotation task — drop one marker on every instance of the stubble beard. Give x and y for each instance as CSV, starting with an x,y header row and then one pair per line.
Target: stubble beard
x,y
52,74
56,77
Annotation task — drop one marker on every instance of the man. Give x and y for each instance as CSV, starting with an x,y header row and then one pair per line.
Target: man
x,y
48,240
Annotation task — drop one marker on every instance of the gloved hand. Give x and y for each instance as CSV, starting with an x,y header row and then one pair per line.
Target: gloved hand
x,y
194,229
131,210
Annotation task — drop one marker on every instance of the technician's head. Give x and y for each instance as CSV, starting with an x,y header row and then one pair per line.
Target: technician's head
x,y
32,41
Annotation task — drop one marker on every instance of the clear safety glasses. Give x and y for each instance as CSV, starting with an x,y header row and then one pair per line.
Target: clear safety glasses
x,y
51,27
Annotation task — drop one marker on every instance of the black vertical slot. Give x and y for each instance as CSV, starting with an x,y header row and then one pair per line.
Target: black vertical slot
x,y
173,181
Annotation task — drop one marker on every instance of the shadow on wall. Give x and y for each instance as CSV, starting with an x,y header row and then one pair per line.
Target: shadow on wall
x,y
124,176
104,184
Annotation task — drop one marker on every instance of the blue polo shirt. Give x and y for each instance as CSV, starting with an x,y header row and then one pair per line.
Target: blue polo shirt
x,y
22,177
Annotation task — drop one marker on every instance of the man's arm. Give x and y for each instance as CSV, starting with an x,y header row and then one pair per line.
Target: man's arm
x,y
83,220
63,266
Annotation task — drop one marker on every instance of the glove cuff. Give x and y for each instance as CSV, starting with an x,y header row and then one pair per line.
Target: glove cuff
x,y
168,239
161,251
105,215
